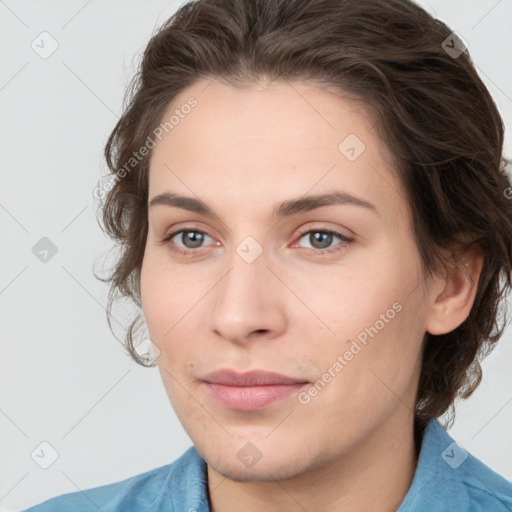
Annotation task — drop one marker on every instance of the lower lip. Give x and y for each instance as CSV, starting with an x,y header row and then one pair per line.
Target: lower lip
x,y
251,398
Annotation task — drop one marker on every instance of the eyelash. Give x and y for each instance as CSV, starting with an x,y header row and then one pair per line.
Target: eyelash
x,y
345,240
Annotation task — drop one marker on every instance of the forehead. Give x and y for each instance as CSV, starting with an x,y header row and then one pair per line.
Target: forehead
x,y
262,143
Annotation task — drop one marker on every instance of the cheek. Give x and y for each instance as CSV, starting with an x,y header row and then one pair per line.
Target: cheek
x,y
153,298
159,301
368,313
173,304
348,301
165,293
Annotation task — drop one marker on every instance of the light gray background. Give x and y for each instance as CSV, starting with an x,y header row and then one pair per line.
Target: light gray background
x,y
64,379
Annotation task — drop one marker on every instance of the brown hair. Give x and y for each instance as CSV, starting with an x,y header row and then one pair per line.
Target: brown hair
x,y
432,110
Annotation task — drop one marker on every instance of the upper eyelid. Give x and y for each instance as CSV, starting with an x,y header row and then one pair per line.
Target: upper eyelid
x,y
199,230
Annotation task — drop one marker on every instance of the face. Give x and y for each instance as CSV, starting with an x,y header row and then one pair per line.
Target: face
x,y
263,277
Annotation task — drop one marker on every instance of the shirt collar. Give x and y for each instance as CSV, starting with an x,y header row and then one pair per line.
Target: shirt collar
x,y
446,474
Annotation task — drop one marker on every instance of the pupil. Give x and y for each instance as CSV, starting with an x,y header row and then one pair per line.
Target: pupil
x,y
194,237
325,239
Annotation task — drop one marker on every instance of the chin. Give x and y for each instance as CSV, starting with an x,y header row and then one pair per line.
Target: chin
x,y
276,467
269,472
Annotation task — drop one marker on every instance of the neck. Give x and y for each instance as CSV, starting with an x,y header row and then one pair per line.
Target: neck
x,y
379,470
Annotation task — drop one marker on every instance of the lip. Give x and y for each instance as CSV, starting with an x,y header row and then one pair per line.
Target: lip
x,y
250,391
228,377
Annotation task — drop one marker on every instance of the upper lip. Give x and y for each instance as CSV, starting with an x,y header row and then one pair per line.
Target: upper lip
x,y
230,377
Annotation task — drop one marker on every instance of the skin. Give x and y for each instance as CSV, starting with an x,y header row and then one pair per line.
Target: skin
x,y
291,311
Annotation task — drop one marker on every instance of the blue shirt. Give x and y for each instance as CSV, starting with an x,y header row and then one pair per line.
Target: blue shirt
x,y
447,478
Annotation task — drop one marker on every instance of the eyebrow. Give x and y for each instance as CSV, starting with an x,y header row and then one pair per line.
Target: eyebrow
x,y
285,209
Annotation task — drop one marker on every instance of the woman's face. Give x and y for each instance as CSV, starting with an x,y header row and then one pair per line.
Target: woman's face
x,y
262,284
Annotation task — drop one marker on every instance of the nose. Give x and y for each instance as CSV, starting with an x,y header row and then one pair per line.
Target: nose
x,y
249,302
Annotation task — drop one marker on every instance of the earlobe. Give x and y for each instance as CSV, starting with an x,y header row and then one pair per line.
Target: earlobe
x,y
453,295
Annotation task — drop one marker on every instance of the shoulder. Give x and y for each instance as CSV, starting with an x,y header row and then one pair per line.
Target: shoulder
x,y
449,478
145,491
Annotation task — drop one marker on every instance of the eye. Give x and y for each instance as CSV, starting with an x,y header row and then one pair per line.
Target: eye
x,y
190,239
321,240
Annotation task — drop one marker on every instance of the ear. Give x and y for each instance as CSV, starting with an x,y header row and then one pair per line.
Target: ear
x,y
452,295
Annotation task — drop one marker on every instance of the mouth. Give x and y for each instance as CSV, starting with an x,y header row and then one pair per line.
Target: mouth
x,y
250,391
